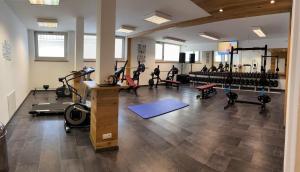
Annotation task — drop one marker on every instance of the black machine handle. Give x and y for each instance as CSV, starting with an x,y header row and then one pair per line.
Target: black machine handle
x,y
81,73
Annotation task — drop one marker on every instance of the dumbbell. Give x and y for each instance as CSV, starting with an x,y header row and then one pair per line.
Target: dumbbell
x,y
276,83
271,83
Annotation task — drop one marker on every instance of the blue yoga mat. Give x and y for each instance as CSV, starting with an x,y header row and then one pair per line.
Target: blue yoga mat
x,y
153,109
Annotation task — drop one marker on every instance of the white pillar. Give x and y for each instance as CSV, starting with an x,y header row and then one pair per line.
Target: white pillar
x,y
106,19
292,137
79,37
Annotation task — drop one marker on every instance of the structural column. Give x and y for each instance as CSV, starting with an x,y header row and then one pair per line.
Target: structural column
x,y
292,138
79,44
104,100
106,19
78,60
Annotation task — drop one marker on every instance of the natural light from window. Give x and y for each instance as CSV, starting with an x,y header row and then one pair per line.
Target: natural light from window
x,y
90,42
171,52
50,45
90,48
158,51
119,48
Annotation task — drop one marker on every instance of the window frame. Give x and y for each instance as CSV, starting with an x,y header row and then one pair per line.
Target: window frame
x,y
55,59
163,53
116,59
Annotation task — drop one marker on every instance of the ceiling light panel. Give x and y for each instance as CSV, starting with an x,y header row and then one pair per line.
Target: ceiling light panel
x,y
259,32
209,36
44,2
168,38
49,23
126,29
158,18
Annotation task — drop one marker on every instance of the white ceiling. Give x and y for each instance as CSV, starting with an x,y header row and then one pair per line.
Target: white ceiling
x,y
133,12
275,26
129,12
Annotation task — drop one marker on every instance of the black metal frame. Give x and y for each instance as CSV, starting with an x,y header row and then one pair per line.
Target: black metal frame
x,y
121,72
229,77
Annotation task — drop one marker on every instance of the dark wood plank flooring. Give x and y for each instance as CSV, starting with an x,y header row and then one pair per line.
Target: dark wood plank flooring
x,y
200,138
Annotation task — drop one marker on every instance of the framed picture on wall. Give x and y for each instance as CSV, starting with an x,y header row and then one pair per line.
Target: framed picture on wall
x,y
141,56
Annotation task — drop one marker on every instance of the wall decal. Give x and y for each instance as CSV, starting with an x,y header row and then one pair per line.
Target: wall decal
x,y
141,56
6,50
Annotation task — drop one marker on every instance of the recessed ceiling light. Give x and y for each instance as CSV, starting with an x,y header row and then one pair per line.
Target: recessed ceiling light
x,y
44,2
259,32
174,39
126,29
50,23
209,36
158,18
272,1
221,10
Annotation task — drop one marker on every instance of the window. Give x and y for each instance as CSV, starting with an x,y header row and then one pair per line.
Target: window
x,y
90,42
226,57
167,52
221,57
197,57
50,46
218,57
158,51
171,52
119,48
90,49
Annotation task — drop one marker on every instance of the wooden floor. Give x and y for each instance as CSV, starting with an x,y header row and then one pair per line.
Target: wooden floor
x,y
200,138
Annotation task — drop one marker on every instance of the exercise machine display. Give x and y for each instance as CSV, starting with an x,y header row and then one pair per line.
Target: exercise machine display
x,y
232,97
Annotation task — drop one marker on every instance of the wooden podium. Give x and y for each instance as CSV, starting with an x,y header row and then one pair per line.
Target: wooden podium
x,y
104,116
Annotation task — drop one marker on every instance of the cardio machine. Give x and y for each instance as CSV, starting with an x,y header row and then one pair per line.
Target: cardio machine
x,y
59,108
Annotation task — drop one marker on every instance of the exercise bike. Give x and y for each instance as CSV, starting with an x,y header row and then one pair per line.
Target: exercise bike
x,y
77,115
155,75
64,90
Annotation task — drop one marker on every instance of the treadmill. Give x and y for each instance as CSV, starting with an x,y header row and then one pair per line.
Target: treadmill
x,y
59,108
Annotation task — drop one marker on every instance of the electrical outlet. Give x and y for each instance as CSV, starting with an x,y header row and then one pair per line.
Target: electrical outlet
x,y
106,136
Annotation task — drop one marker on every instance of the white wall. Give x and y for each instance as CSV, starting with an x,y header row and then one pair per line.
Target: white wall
x,y
45,72
14,74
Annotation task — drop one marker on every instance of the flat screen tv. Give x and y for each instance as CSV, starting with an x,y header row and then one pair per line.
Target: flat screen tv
x,y
225,47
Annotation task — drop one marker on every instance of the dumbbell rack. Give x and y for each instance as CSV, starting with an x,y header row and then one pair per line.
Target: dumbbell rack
x,y
240,80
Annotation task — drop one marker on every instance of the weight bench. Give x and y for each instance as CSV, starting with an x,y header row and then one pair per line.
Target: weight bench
x,y
206,91
171,83
132,85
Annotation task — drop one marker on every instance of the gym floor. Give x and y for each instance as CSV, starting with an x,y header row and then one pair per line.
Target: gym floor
x,y
202,137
